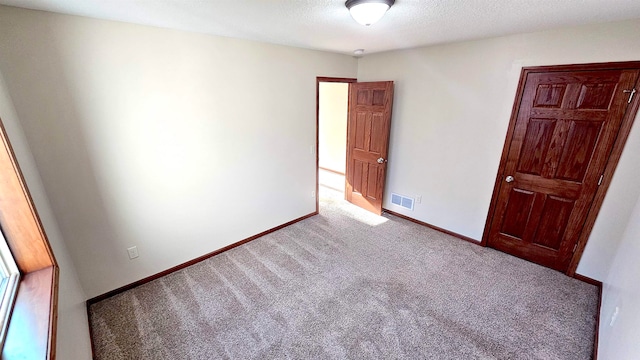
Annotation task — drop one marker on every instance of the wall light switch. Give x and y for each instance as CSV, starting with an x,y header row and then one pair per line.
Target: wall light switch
x,y
133,252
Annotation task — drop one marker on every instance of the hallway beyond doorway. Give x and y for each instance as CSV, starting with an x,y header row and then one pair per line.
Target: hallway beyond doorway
x,y
331,179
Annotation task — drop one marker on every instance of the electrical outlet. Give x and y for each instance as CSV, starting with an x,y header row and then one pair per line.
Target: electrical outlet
x,y
133,252
418,199
313,194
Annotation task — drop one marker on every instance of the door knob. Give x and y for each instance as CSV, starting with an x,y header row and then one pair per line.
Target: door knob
x,y
381,160
509,179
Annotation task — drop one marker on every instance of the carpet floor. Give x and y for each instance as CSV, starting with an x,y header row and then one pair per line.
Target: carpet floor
x,y
347,284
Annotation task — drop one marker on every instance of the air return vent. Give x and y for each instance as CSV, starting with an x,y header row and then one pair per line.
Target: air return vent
x,y
403,201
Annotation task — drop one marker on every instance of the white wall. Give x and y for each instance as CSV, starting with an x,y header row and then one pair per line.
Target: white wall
x,y
450,116
73,332
178,143
622,290
332,129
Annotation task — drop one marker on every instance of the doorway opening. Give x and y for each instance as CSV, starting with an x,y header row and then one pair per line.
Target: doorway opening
x,y
332,114
366,139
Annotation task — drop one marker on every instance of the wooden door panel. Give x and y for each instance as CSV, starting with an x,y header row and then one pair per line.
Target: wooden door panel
x,y
553,222
373,181
536,218
519,206
378,97
536,144
596,96
593,91
360,137
364,97
367,141
563,133
549,95
556,146
377,143
366,179
578,151
359,174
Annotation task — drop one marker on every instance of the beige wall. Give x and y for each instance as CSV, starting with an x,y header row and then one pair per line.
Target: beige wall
x,y
622,290
332,132
178,143
73,332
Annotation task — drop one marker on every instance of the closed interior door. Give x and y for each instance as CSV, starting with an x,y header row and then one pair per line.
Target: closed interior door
x,y
367,143
566,124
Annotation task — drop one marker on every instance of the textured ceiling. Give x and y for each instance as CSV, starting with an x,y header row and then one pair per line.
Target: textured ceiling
x,y
327,25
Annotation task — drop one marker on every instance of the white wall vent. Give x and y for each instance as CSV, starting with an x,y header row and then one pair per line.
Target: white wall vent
x,y
402,201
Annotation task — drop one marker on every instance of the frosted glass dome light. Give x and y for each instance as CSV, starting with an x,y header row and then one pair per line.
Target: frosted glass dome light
x,y
367,12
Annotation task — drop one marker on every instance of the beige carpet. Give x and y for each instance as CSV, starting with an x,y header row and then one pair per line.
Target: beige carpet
x,y
347,284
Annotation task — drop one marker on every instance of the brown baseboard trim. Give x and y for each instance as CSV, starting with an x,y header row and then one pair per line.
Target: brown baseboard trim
x,y
597,283
331,171
461,237
588,280
191,262
93,350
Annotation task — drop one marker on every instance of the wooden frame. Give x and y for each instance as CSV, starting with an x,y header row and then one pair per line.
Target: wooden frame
x,y
32,327
612,162
38,288
320,79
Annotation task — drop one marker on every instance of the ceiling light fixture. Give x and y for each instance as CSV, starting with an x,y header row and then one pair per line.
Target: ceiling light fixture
x,y
367,12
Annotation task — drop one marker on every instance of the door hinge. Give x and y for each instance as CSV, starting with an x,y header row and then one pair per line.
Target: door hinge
x,y
631,93
600,180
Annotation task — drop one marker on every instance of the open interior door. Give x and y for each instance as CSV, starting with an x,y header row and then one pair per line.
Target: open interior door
x,y
368,129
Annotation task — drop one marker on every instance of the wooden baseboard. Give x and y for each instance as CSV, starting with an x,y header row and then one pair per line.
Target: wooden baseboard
x,y
588,280
461,237
597,283
93,348
191,262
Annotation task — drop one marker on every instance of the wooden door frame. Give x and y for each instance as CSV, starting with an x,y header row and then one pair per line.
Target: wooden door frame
x,y
320,79
612,162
